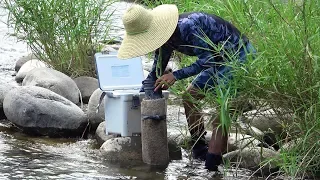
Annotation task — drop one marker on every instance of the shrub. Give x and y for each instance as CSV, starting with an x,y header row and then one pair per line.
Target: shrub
x,y
64,33
285,74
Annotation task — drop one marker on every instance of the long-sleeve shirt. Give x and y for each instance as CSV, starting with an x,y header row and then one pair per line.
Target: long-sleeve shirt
x,y
188,38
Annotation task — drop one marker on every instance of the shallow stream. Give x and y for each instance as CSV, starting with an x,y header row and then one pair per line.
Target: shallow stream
x,y
24,157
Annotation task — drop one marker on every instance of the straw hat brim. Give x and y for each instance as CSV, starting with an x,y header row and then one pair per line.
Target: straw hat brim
x,y
164,23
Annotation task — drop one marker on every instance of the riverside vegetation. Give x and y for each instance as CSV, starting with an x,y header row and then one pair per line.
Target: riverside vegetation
x,y
284,76
64,33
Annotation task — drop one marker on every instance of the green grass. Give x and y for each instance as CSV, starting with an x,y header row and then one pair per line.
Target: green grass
x,y
64,33
284,75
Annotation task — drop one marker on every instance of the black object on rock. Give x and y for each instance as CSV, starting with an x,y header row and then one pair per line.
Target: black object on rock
x,y
148,86
213,161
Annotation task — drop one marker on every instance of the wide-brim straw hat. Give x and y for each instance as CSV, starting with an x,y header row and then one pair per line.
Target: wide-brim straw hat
x,y
147,29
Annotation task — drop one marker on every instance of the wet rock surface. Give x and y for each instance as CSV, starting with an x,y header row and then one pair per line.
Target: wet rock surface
x,y
39,111
122,149
23,60
240,141
267,120
95,115
101,135
86,85
253,159
4,89
27,67
175,152
55,81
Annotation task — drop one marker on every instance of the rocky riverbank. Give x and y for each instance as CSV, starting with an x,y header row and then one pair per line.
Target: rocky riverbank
x,y
42,102
46,102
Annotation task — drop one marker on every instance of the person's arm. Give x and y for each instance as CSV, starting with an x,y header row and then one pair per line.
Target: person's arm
x,y
202,63
165,53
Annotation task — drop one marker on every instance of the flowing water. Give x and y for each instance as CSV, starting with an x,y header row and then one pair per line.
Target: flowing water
x,y
23,157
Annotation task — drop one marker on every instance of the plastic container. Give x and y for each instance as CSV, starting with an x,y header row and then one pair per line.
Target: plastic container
x,y
121,80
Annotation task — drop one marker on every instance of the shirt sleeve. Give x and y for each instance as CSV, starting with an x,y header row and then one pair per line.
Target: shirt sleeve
x,y
164,52
195,68
192,33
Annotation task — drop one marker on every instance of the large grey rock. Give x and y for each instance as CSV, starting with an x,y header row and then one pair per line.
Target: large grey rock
x,y
242,127
267,120
39,111
101,137
4,89
174,149
95,117
23,60
86,85
122,149
254,158
240,141
55,81
27,67
181,138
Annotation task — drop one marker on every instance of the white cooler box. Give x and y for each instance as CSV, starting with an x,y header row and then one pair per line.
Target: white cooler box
x,y
121,80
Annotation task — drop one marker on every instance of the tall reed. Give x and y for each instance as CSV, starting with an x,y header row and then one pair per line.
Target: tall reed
x,y
284,75
64,33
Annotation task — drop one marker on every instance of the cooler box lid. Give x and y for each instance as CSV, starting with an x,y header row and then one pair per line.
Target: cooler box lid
x,y
116,74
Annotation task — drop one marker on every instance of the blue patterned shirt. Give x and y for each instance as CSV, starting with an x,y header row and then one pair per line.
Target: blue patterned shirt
x,y
188,37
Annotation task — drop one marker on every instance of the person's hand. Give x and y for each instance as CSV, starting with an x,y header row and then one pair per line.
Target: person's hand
x,y
165,81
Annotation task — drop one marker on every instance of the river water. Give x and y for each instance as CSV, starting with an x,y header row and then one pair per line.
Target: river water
x,y
24,157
